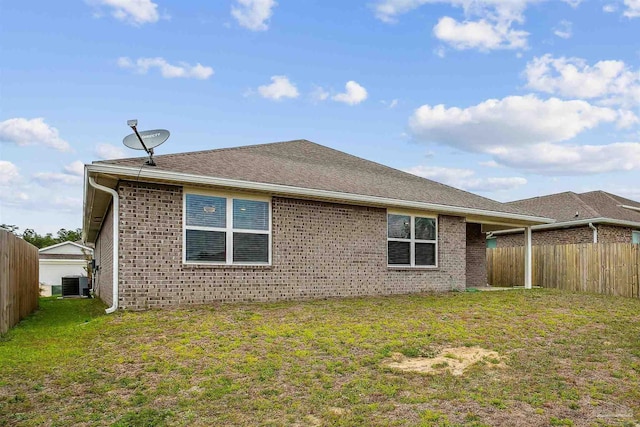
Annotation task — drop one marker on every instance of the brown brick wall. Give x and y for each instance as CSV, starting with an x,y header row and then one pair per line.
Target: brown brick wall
x,y
103,254
564,236
476,256
610,234
319,250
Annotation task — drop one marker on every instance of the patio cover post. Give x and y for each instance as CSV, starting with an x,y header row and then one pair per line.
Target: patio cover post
x,y
527,258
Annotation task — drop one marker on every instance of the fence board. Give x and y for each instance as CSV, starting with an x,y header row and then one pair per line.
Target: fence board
x,y
19,287
605,268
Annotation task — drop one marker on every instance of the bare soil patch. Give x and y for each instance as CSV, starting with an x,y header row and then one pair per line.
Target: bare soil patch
x,y
454,360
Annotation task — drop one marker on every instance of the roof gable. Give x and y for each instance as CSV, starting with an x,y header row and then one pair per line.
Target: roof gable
x,y
65,248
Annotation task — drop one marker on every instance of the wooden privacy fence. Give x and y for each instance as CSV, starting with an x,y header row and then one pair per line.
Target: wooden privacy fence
x,y
604,268
19,287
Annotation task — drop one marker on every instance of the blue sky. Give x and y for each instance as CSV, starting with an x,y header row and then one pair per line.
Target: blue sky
x,y
507,99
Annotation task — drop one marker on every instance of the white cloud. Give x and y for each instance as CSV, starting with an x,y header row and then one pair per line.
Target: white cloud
x,y
393,103
9,173
573,3
253,14
564,29
555,159
609,8
14,197
490,164
136,12
482,34
279,88
66,204
511,121
47,179
109,152
492,30
354,94
23,131
167,70
72,174
612,82
466,179
632,8
76,168
319,94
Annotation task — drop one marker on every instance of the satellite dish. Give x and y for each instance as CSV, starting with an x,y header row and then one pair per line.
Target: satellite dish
x,y
146,140
150,138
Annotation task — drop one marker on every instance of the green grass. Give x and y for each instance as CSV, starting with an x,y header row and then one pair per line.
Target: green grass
x,y
571,359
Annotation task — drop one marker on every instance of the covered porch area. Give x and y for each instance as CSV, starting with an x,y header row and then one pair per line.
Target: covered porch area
x,y
476,257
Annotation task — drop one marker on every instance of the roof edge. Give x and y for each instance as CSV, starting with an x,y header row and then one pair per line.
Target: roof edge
x,y
64,243
567,224
160,175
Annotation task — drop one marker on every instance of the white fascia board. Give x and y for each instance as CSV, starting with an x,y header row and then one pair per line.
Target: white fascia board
x,y
182,178
568,224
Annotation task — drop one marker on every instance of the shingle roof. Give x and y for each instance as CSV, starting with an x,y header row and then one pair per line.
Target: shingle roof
x,y
309,165
595,204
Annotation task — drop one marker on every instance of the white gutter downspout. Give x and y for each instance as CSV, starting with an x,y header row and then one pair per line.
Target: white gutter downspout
x,y
114,195
595,232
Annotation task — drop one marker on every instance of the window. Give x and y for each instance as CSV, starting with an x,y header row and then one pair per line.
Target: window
x,y
226,230
412,241
635,237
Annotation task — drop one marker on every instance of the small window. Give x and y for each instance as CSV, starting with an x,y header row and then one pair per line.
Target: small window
x,y
412,241
226,230
635,237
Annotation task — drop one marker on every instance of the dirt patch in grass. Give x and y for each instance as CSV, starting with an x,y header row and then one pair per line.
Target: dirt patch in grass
x,y
453,360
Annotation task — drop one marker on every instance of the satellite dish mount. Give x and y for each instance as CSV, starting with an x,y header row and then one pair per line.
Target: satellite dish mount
x,y
146,140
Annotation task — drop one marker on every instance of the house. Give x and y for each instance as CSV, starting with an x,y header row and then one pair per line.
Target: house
x,y
287,220
596,216
63,268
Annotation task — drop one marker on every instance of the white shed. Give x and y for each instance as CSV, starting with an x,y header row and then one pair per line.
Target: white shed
x,y
63,260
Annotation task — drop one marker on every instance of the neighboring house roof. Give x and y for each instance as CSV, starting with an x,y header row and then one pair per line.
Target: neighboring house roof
x,y
285,167
58,246
573,209
64,251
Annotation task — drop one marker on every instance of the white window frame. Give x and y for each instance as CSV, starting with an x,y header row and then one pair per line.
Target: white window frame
x,y
412,241
635,233
229,229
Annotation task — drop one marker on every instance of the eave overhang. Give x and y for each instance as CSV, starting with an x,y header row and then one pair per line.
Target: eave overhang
x,y
97,203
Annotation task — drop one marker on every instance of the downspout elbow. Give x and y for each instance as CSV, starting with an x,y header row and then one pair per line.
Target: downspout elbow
x,y
595,232
115,213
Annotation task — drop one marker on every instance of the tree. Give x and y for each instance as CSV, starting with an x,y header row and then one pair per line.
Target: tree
x,y
10,228
44,240
69,235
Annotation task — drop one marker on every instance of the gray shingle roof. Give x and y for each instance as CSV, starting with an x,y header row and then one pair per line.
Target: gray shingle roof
x,y
595,204
309,165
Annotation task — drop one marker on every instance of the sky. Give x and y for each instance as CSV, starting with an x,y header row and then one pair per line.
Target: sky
x,y
506,99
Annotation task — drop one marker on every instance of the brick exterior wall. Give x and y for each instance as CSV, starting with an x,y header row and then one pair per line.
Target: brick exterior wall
x,y
610,234
319,250
103,254
476,256
565,236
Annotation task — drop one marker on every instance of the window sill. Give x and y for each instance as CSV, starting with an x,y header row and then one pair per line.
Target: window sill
x,y
410,268
196,266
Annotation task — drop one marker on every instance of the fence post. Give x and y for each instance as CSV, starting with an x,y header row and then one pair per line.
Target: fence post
x,y
527,258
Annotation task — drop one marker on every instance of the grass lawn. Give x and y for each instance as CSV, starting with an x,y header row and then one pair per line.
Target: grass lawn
x,y
571,359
